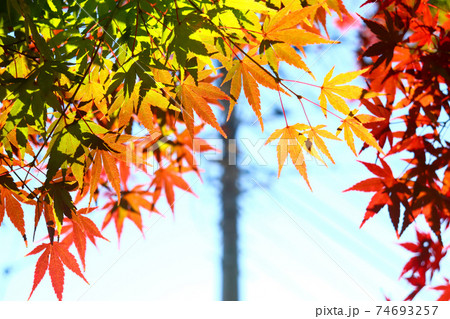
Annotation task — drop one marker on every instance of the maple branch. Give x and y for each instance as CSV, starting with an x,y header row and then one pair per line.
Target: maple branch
x,y
195,7
7,48
114,55
231,48
87,71
276,78
118,28
20,179
158,20
442,128
22,167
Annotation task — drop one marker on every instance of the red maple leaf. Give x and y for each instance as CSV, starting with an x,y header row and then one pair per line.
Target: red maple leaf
x,y
389,37
427,258
445,291
53,258
379,129
389,190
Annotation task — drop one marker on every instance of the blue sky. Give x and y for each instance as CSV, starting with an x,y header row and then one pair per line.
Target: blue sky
x,y
294,244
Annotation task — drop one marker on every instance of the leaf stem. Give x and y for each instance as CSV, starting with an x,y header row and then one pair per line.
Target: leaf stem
x,y
332,113
304,111
7,48
314,85
176,10
282,107
242,29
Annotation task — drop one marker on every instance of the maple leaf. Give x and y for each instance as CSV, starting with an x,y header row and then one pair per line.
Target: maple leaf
x,y
379,129
55,202
252,5
43,207
54,257
184,148
245,73
283,27
94,89
315,135
167,178
445,296
418,281
389,38
277,51
423,29
287,54
130,205
334,90
77,229
10,202
197,98
427,258
291,142
428,196
389,191
107,151
284,23
139,103
432,204
354,125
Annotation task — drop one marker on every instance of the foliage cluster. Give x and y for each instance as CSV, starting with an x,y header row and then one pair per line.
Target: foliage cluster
x,y
81,80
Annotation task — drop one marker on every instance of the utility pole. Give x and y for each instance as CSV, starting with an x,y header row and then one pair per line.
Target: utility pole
x,y
230,210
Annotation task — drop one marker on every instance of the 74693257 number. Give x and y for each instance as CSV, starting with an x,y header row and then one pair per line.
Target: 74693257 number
x,y
407,310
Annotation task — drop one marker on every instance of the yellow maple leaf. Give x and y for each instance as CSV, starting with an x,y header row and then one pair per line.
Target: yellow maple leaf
x,y
251,5
315,135
334,91
291,142
353,125
284,52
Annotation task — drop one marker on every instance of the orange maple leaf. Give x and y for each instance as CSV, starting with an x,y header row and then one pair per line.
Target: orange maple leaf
x,y
245,73
197,98
107,152
77,229
130,206
167,178
291,142
10,198
284,27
